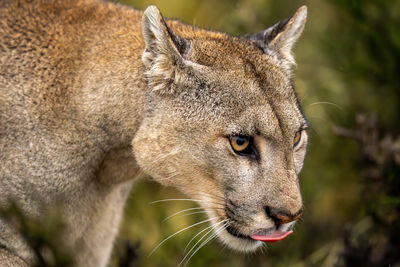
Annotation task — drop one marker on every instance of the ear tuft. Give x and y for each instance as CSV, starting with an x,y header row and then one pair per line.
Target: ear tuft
x,y
154,34
163,51
282,36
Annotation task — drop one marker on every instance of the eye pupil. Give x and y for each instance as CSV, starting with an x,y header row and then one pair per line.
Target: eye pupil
x,y
240,144
240,141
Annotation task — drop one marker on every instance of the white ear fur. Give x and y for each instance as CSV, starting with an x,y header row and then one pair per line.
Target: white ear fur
x,y
282,36
156,36
285,40
161,54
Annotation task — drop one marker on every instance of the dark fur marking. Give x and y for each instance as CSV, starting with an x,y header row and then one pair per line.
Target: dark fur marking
x,y
263,38
259,80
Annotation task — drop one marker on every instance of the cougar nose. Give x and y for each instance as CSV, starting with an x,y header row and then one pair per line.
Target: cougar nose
x,y
281,216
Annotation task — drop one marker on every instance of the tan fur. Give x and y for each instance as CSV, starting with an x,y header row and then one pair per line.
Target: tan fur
x,y
92,92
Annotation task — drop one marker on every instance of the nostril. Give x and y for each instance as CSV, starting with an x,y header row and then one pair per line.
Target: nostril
x,y
268,211
280,216
274,215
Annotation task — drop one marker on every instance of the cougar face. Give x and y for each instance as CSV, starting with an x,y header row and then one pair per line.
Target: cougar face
x,y
224,126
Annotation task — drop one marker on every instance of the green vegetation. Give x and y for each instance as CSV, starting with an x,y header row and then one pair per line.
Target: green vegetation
x,y
43,235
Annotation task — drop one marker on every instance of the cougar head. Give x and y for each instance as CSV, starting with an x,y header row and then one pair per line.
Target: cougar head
x,y
224,126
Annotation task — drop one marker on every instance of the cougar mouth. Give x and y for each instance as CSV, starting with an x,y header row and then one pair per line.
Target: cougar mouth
x,y
264,235
237,234
272,234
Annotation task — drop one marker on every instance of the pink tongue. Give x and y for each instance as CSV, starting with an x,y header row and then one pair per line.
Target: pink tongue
x,y
272,237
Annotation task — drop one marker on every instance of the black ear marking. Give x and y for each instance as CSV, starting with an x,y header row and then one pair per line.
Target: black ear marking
x,y
282,36
180,43
263,38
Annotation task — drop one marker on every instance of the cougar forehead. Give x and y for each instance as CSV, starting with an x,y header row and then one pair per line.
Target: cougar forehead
x,y
240,84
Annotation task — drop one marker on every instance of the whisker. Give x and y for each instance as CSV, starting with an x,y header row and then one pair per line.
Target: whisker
x,y
207,194
185,199
198,241
176,199
179,212
315,131
264,250
150,165
195,212
219,201
223,227
191,240
212,196
174,234
326,103
169,177
190,213
137,175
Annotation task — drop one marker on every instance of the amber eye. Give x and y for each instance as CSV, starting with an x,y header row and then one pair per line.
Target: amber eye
x,y
297,138
239,143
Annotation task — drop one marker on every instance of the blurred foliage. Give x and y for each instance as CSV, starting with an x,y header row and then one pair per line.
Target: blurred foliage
x,y
43,235
374,241
348,63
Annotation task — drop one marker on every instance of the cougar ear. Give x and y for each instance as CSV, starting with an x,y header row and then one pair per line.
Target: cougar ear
x,y
163,49
282,36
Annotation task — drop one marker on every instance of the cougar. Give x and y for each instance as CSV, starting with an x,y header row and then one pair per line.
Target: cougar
x,y
93,93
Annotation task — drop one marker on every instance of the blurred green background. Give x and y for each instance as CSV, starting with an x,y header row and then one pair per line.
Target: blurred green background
x,y
347,80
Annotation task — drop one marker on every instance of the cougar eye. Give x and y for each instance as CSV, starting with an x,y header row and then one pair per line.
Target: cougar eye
x,y
240,144
297,138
